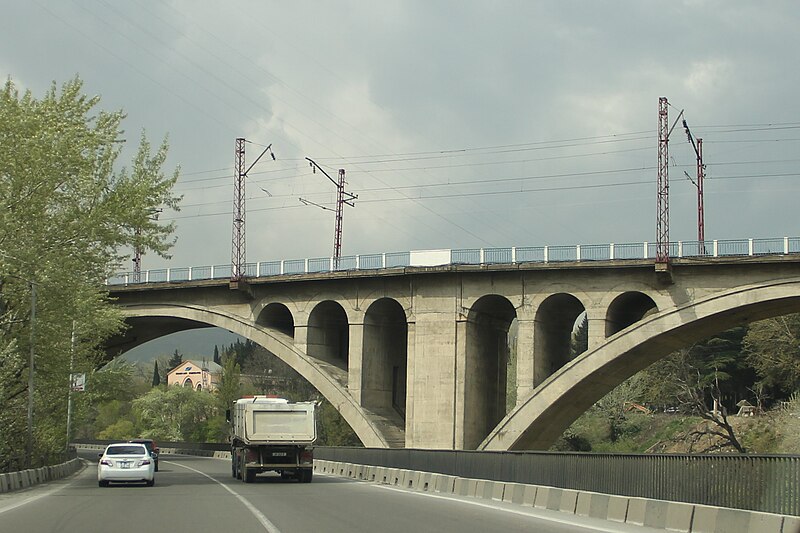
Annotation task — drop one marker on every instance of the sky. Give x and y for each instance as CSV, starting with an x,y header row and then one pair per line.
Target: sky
x,y
459,124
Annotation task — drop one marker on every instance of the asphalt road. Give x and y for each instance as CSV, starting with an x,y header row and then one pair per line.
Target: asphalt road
x,y
195,494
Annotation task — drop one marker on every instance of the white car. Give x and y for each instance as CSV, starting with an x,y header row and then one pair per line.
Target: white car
x,y
126,462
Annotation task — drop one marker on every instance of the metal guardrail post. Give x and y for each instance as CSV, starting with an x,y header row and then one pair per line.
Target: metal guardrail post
x,y
578,252
716,248
749,246
545,254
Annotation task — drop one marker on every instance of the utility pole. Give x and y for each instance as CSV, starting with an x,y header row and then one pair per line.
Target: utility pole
x,y
698,150
238,249
662,207
69,390
238,264
342,198
29,444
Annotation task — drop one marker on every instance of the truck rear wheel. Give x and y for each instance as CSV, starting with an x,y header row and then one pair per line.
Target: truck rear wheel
x,y
305,475
249,475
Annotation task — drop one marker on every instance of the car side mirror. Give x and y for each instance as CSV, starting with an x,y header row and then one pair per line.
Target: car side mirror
x,y
100,455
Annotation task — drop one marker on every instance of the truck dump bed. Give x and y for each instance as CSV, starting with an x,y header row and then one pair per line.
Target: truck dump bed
x,y
262,420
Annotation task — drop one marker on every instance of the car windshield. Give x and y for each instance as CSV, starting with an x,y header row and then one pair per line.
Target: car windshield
x,y
126,450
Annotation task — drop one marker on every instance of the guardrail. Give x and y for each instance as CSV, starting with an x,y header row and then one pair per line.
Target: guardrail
x,y
765,483
471,256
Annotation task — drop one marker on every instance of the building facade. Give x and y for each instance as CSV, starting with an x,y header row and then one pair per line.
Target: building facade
x,y
199,375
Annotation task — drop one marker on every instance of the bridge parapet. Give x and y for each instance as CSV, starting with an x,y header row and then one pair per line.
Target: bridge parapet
x,y
474,256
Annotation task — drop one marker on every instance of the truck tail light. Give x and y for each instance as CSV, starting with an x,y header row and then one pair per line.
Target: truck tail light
x,y
307,456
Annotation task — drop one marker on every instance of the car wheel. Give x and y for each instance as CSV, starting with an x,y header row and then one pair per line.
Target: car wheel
x,y
103,483
150,482
156,464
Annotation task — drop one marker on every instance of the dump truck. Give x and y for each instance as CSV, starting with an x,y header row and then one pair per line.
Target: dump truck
x,y
272,434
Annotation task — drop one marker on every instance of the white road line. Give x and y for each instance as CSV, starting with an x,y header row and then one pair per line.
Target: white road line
x,y
31,499
530,514
268,526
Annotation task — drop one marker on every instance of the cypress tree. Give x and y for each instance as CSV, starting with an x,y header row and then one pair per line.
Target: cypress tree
x,y
156,375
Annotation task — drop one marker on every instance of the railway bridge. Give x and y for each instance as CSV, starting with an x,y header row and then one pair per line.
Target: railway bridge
x,y
430,352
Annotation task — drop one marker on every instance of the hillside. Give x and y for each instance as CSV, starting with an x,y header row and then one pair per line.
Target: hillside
x,y
777,431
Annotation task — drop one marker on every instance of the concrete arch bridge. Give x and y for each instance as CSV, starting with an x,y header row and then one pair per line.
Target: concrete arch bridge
x,y
422,356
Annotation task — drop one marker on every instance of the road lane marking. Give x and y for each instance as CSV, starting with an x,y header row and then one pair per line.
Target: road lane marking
x,y
268,526
48,492
530,514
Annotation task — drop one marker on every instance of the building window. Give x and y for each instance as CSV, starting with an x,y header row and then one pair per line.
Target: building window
x,y
188,383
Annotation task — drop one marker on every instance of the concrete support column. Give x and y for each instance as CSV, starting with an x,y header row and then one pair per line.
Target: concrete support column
x,y
410,391
596,319
355,360
432,386
525,358
460,372
301,337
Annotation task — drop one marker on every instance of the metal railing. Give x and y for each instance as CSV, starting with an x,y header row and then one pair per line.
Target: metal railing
x,y
475,256
766,483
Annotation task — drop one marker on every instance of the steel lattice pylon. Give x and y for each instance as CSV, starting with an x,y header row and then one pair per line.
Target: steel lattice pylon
x,y
238,247
662,209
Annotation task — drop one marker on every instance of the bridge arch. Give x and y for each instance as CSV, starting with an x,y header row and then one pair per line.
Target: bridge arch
x,y
554,322
540,418
384,373
329,334
283,347
487,356
278,317
627,309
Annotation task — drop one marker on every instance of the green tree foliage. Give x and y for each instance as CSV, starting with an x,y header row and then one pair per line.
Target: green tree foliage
x,y
772,347
174,361
156,376
579,340
175,414
68,215
230,384
332,430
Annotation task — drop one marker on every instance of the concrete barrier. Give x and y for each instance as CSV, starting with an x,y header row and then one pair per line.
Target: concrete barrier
x,y
31,477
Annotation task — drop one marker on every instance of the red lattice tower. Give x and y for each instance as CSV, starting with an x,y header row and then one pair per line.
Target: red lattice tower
x,y
662,208
238,247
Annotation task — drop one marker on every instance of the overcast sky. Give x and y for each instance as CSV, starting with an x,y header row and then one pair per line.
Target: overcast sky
x,y
460,124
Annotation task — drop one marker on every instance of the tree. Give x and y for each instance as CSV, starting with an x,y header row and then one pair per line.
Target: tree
x,y
156,375
579,340
174,361
68,216
772,347
175,414
216,355
230,385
